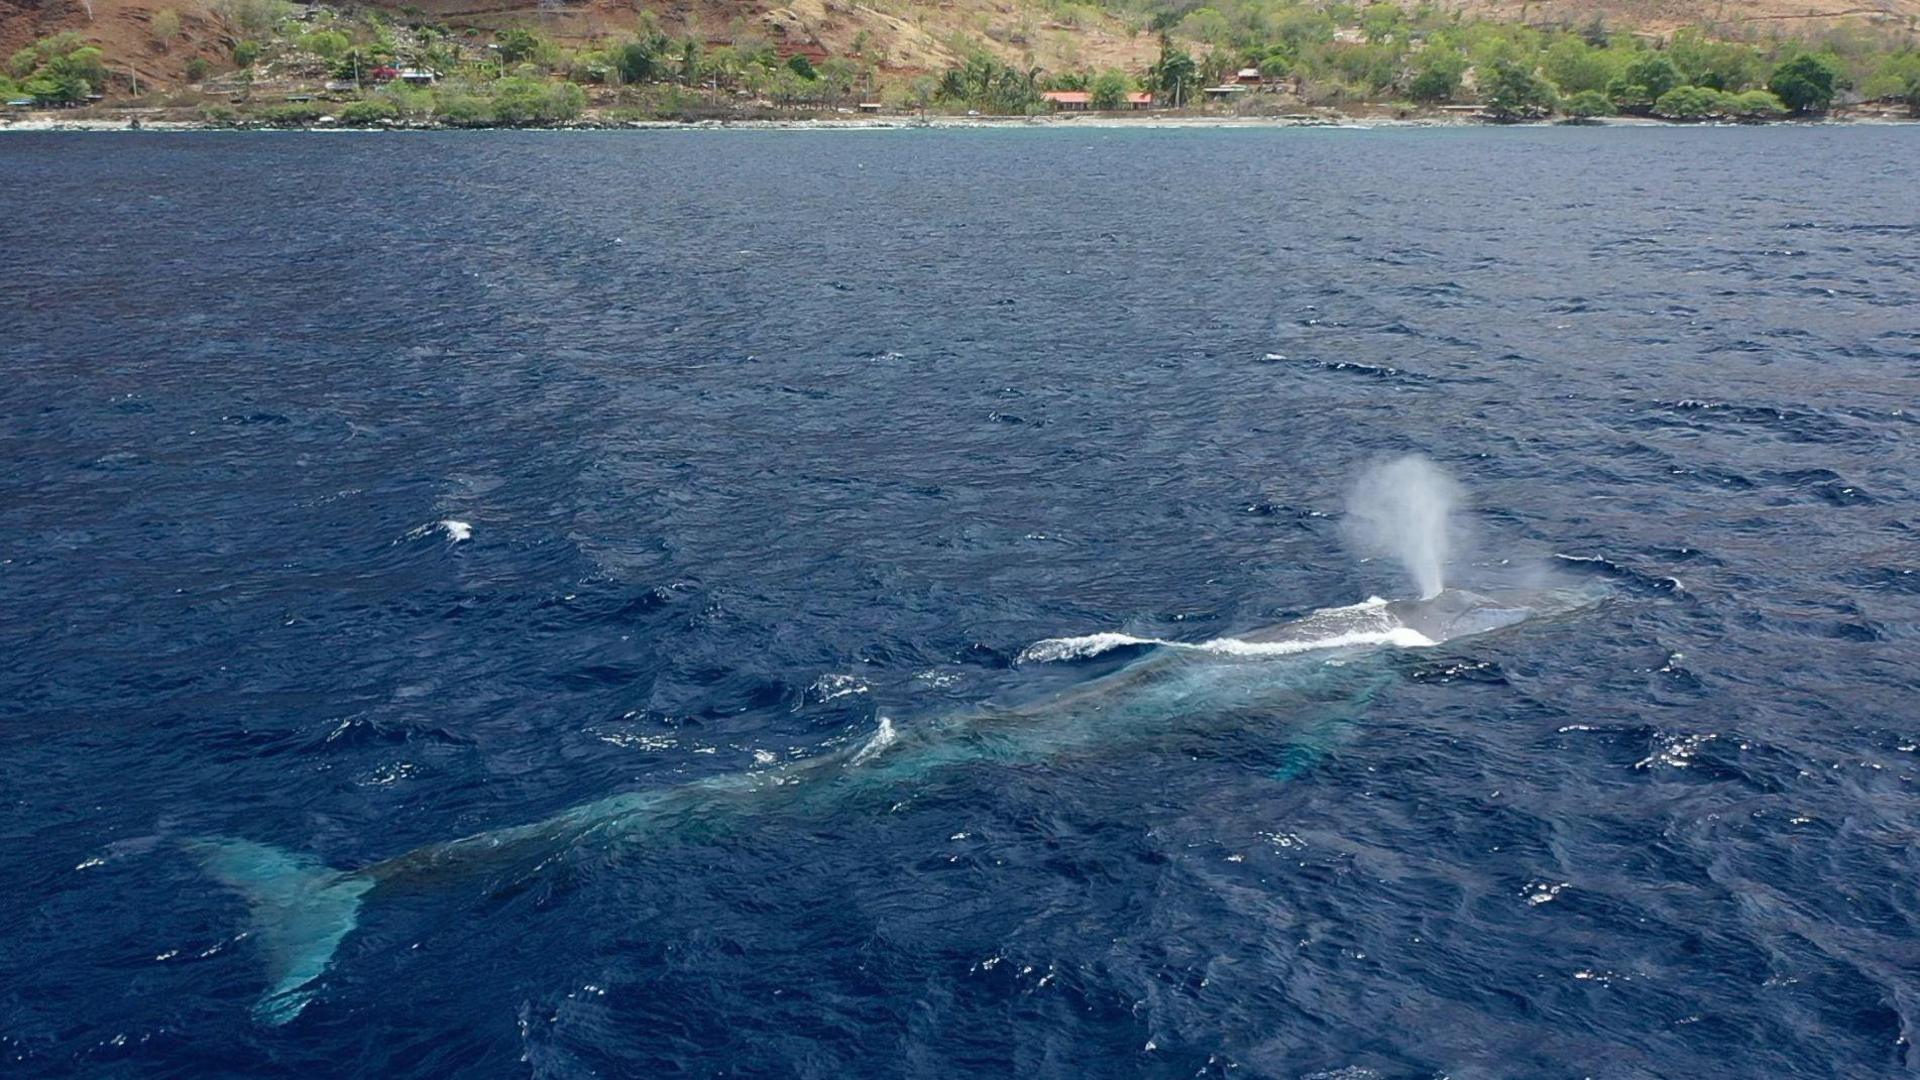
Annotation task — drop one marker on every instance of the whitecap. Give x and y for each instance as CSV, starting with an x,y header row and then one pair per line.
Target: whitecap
x,y
827,687
457,531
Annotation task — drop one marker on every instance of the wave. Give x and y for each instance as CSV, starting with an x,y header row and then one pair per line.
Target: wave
x,y
458,532
1054,650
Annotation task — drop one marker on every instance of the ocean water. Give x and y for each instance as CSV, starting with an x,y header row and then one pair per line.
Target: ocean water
x,y
362,492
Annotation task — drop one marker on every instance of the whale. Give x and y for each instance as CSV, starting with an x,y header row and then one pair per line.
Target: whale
x,y
301,909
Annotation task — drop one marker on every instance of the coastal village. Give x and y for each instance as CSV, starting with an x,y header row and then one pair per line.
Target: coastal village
x,y
243,63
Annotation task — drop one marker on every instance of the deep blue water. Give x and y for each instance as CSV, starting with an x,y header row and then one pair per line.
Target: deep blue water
x,y
761,436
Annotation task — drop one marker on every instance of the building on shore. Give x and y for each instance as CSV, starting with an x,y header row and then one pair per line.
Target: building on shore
x,y
1082,101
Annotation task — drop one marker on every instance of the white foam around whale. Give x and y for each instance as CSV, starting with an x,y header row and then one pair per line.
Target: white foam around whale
x,y
1347,627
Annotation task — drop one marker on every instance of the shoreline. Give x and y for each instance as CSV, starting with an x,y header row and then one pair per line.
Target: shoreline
x,y
140,121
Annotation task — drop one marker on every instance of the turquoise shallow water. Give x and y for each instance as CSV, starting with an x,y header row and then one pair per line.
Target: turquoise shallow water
x,y
757,437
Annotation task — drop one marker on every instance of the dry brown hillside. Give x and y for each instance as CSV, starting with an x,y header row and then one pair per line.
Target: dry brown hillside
x,y
1663,15
901,36
904,35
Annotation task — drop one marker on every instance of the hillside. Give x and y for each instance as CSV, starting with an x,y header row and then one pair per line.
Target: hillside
x,y
899,36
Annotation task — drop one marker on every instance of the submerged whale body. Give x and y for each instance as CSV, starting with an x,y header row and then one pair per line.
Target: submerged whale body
x,y
302,909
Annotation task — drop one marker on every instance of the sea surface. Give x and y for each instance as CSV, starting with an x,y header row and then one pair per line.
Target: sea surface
x,y
360,492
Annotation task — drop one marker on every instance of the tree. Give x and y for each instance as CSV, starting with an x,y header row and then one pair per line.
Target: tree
x,y
1643,81
1896,75
517,45
1383,22
68,78
1439,76
1573,65
1806,83
689,61
1174,75
801,66
245,53
1276,65
837,76
639,61
1514,92
165,27
1720,65
1110,89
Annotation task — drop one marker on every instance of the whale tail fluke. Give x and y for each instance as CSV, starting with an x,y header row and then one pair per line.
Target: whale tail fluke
x,y
301,909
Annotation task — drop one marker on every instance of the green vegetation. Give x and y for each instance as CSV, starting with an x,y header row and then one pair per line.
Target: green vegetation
x,y
1311,52
1588,104
987,85
60,70
369,111
1515,92
1896,77
1806,83
1689,103
165,27
1642,82
1438,75
520,102
327,44
1174,76
1110,89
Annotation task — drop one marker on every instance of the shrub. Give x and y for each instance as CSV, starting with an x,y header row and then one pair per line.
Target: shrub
x,y
253,16
408,101
165,26
1897,75
802,67
291,114
463,109
369,111
327,44
245,53
1587,104
1756,105
1690,103
197,69
518,101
